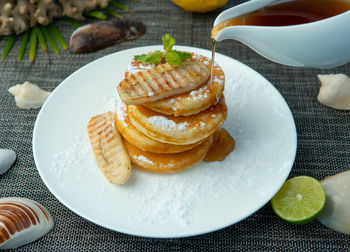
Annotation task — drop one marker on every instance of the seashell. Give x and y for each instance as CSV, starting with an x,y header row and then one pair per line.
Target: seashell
x,y
28,95
336,214
335,91
22,221
93,37
7,158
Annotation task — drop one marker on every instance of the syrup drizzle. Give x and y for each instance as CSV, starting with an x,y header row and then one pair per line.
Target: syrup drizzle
x,y
212,61
222,145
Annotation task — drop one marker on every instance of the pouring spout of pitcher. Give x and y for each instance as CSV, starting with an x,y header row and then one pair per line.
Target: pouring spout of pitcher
x,y
233,32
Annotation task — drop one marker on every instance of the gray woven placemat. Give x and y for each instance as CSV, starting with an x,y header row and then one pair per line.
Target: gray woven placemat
x,y
323,143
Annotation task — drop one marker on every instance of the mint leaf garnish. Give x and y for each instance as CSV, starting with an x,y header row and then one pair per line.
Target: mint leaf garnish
x,y
154,58
171,56
168,42
183,55
175,58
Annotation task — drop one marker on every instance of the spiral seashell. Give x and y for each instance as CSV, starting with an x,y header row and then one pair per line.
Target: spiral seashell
x,y
22,221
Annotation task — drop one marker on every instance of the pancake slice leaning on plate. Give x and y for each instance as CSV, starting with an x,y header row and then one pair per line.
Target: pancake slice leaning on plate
x,y
110,153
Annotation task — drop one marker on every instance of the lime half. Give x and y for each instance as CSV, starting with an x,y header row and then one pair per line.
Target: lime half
x,y
299,200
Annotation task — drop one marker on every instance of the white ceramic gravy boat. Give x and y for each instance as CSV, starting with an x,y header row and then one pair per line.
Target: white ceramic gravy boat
x,y
321,44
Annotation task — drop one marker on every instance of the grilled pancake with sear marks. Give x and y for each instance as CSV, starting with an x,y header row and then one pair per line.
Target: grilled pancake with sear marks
x,y
161,81
194,101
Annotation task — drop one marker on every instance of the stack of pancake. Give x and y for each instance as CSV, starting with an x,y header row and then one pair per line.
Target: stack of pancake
x,y
169,116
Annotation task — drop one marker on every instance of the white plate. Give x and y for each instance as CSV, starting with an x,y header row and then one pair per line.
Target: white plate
x,y
201,199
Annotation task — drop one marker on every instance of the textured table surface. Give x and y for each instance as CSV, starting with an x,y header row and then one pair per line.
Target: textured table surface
x,y
323,142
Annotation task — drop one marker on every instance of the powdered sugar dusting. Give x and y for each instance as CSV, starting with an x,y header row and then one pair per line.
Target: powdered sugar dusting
x,y
199,94
132,69
206,60
199,91
76,154
109,101
216,79
121,110
164,123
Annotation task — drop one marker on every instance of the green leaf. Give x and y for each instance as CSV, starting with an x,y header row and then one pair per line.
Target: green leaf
x,y
23,46
58,35
97,14
73,22
33,41
9,44
41,39
112,12
119,5
183,55
154,58
168,42
49,39
173,58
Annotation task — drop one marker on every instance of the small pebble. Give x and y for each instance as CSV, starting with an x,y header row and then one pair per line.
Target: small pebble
x,y
7,158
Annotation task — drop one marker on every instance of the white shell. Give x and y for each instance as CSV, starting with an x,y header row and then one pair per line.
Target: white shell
x,y
7,158
335,91
336,212
28,95
22,221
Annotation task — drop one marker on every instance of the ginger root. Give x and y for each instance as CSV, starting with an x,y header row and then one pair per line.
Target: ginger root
x,y
17,16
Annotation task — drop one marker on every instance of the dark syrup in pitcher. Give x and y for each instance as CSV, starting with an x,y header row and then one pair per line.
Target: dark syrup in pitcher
x,y
283,14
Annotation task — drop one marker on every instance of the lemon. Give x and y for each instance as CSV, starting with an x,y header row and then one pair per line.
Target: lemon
x,y
200,5
300,200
